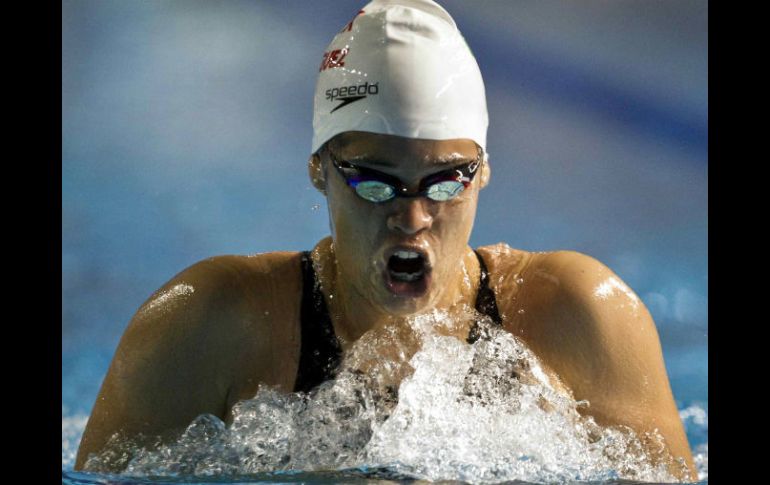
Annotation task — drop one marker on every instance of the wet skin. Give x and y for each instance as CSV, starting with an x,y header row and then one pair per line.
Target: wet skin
x,y
364,233
203,351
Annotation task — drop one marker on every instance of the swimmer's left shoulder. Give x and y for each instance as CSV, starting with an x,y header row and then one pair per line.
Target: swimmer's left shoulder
x,y
501,258
575,274
576,282
530,284
575,303
587,325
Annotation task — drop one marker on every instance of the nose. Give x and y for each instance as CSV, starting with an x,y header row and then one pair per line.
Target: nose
x,y
410,215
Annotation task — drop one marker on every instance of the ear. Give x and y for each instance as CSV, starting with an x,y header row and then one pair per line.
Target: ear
x,y
486,172
316,173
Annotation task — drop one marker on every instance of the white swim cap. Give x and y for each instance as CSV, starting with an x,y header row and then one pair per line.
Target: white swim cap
x,y
400,67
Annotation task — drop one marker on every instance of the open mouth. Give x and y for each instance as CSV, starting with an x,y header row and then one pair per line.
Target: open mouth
x,y
407,273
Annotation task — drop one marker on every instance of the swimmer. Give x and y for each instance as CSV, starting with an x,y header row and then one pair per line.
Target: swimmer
x,y
399,151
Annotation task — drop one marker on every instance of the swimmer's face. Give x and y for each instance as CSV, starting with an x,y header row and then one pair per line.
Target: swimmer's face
x,y
376,243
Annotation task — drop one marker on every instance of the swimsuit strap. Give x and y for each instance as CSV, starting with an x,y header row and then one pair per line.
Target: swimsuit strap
x,y
320,351
486,304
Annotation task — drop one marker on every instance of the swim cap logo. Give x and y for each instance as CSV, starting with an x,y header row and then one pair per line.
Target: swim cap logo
x,y
351,94
333,59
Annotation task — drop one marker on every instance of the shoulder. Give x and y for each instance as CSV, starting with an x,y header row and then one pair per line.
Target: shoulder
x,y
189,346
228,311
571,297
591,328
593,332
224,272
564,279
504,264
581,319
223,281
577,285
587,325
245,293
224,284
212,329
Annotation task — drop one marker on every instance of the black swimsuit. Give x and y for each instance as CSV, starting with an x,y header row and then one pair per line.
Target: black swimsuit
x,y
321,353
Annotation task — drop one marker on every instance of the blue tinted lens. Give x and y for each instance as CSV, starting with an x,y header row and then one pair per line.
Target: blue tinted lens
x,y
448,189
375,191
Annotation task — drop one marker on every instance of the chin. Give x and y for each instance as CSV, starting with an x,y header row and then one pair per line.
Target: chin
x,y
403,305
401,308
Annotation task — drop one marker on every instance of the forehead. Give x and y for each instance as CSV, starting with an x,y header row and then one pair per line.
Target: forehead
x,y
395,151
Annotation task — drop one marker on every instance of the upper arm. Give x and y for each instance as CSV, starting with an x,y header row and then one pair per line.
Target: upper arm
x,y
598,336
172,362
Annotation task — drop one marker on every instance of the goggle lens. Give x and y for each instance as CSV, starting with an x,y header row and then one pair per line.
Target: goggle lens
x,y
446,190
375,191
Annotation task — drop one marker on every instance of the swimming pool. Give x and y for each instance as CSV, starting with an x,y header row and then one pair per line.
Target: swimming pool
x,y
598,143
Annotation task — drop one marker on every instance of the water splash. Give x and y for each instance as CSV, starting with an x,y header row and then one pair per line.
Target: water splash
x,y
436,408
696,421
71,431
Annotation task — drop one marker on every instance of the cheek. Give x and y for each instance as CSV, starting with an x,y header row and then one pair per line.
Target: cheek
x,y
354,223
455,220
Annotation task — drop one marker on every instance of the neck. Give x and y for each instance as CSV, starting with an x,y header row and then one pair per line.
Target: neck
x,y
353,315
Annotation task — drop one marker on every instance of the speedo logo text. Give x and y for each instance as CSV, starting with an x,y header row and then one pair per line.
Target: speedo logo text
x,y
350,94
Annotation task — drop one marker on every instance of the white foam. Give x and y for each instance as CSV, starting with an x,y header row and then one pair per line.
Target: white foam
x,y
71,431
701,459
697,414
696,421
479,413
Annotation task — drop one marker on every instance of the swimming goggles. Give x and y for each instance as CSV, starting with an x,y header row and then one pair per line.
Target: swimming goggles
x,y
375,186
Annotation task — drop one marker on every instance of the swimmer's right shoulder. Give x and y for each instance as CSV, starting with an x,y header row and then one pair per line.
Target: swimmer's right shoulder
x,y
256,299
206,336
241,269
229,286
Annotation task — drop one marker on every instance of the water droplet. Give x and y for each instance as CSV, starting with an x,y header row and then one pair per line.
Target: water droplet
x,y
315,207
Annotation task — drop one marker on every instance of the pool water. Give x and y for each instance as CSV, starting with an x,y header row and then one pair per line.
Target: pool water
x,y
378,476
454,419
